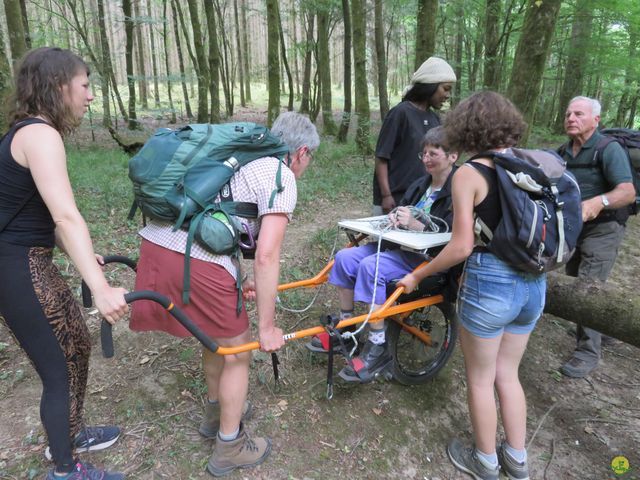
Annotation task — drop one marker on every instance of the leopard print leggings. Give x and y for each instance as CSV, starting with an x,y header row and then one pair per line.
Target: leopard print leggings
x,y
41,313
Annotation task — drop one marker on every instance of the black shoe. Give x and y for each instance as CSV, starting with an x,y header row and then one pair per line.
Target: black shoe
x,y
373,361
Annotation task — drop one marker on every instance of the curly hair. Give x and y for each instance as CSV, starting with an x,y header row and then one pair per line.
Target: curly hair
x,y
484,121
40,76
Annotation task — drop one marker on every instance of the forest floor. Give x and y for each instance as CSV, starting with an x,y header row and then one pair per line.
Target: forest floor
x,y
153,389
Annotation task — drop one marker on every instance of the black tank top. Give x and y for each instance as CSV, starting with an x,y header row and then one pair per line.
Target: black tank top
x,y
32,225
489,209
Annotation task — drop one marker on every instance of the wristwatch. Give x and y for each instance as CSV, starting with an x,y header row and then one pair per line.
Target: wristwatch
x,y
605,200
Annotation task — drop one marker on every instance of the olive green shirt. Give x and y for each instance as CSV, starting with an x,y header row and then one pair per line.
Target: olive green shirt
x,y
596,181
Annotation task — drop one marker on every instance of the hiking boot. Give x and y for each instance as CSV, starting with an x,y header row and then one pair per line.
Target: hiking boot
x,y
91,439
466,460
373,360
243,452
211,419
86,471
514,469
578,368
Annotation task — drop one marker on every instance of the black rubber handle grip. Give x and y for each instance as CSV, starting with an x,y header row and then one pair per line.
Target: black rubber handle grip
x,y
86,292
106,336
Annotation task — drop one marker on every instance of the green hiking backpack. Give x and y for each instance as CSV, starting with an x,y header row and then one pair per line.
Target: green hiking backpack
x,y
178,174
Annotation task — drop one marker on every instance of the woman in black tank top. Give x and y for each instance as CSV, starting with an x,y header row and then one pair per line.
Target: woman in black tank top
x,y
37,212
498,306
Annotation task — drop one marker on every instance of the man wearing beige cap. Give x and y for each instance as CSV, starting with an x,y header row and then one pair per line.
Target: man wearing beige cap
x,y
398,148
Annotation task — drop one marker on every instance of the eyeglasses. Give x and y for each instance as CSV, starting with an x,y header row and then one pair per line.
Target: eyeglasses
x,y
422,155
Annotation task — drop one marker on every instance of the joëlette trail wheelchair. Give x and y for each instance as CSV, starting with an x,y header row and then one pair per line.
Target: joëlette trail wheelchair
x,y
421,334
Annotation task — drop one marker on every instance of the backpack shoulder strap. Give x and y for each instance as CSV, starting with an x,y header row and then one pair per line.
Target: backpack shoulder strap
x,y
17,126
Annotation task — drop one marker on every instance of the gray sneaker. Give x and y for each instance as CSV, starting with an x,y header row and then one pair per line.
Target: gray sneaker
x,y
514,469
466,460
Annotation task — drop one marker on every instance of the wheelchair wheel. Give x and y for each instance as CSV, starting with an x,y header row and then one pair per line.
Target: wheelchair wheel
x,y
414,362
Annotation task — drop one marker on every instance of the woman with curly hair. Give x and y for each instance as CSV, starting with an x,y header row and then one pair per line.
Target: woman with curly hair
x,y
498,306
37,213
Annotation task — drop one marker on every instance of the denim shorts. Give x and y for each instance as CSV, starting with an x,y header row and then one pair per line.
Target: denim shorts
x,y
495,298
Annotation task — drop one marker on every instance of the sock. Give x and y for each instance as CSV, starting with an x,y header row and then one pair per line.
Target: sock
x,y
346,314
489,460
212,402
377,337
230,437
519,456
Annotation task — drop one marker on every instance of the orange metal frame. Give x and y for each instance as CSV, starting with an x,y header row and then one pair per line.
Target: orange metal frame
x,y
388,309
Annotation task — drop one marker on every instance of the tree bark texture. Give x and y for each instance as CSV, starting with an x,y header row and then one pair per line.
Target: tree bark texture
x,y
531,55
201,62
343,131
273,62
214,63
128,54
165,39
324,68
491,44
381,56
247,53
600,306
306,76
5,84
241,55
183,82
575,64
15,29
140,57
358,18
285,61
425,30
154,57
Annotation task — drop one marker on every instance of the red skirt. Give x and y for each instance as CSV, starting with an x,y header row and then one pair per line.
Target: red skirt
x,y
212,302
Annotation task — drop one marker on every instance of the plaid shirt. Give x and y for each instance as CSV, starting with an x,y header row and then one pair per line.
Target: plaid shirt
x,y
253,183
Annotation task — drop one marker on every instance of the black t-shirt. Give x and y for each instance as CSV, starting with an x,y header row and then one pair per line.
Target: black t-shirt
x,y
399,144
33,225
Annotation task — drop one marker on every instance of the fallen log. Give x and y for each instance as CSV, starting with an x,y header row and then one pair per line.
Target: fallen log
x,y
604,307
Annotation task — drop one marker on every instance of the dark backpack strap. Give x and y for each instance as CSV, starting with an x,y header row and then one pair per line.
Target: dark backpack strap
x,y
31,194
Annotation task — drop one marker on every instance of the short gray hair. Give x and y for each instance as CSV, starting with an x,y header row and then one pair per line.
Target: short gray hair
x,y
296,130
437,137
596,108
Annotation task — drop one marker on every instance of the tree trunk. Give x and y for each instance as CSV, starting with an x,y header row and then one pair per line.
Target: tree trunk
x,y
154,57
360,73
15,29
273,61
491,44
241,71
142,69
381,56
25,23
247,54
324,68
306,76
214,63
6,82
201,61
531,56
457,88
226,72
183,77
575,64
128,55
630,76
106,65
165,39
600,306
285,62
346,114
425,31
